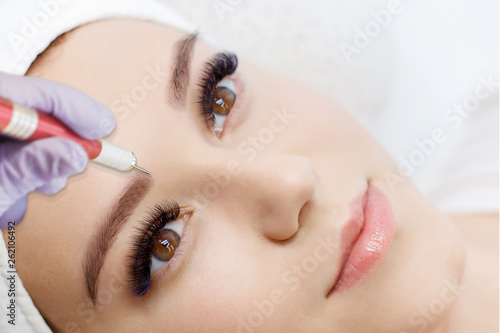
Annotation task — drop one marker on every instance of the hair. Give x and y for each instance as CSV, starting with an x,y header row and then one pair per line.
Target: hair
x,y
39,65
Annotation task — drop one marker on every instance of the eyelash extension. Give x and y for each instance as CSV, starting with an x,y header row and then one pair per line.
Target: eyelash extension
x,y
216,69
140,265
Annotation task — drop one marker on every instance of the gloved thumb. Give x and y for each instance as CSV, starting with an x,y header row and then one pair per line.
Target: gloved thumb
x,y
15,213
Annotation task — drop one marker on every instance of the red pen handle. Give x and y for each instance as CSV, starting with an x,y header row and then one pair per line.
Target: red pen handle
x,y
26,124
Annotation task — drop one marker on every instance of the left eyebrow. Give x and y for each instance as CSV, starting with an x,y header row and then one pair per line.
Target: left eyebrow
x,y
180,74
104,236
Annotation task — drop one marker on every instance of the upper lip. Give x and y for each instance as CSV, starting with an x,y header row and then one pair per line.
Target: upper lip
x,y
351,230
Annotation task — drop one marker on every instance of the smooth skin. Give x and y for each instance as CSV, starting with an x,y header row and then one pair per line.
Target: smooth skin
x,y
241,240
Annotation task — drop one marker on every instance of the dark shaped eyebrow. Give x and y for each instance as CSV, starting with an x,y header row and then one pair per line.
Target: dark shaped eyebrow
x,y
104,236
180,74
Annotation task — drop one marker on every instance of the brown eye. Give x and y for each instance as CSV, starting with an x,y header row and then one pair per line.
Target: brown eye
x,y
166,244
223,100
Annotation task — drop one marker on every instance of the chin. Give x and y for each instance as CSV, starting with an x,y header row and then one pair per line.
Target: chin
x,y
431,256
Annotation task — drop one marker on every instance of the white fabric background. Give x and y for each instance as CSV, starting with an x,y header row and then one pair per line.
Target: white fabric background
x,y
426,60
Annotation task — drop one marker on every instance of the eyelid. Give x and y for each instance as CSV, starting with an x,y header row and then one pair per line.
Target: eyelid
x,y
175,225
227,83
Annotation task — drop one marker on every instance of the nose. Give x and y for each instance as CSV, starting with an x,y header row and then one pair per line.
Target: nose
x,y
273,190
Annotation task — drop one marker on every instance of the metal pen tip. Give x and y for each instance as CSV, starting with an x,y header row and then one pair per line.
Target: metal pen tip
x,y
141,169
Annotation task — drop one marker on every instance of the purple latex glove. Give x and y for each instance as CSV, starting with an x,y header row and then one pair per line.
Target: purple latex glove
x,y
46,164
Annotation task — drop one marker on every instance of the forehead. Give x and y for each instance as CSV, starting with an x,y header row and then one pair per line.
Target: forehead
x,y
108,55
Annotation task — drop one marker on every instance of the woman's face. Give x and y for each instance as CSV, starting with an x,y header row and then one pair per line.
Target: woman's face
x,y
272,199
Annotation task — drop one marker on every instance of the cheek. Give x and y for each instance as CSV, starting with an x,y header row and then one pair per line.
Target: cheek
x,y
52,239
314,119
321,131
218,286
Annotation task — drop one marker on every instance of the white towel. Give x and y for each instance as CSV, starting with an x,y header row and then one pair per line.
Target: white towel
x,y
27,27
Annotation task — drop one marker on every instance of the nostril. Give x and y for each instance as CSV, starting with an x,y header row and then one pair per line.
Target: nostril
x,y
280,189
303,213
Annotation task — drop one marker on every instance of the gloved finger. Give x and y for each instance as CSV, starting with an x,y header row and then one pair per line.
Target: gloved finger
x,y
17,210
52,187
14,213
85,116
25,167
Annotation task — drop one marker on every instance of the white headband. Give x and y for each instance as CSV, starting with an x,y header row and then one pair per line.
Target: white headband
x,y
27,27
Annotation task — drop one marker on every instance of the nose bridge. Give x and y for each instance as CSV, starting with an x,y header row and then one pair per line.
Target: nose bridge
x,y
274,189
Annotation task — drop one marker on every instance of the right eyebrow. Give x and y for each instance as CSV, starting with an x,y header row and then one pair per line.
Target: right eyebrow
x,y
180,74
106,232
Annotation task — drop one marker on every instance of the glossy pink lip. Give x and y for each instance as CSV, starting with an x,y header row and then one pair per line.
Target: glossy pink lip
x,y
365,238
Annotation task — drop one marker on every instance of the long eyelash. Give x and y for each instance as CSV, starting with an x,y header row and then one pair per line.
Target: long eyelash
x,y
216,69
140,265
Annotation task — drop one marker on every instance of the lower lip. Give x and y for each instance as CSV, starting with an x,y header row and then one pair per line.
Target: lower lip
x,y
372,242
